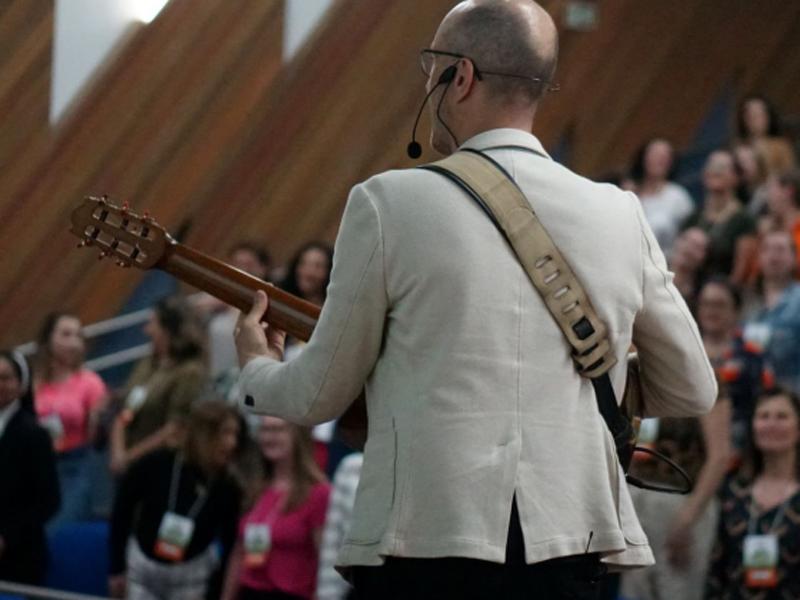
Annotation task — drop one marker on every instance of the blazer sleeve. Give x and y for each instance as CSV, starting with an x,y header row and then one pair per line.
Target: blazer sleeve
x,y
677,378
331,370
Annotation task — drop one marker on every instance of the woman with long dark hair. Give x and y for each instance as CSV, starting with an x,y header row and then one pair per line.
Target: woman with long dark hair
x,y
68,399
277,553
163,387
757,552
758,125
666,204
309,272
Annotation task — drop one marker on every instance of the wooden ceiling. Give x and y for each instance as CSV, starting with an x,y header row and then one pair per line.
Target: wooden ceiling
x,y
197,119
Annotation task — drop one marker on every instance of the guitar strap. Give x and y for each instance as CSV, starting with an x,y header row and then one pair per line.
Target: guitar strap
x,y
496,192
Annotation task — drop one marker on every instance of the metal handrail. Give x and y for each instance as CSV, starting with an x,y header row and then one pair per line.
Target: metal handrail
x,y
111,325
30,591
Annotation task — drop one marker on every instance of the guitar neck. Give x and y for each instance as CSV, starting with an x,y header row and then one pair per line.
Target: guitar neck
x,y
290,313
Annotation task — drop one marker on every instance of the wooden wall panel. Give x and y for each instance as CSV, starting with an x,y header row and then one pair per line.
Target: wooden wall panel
x,y
196,118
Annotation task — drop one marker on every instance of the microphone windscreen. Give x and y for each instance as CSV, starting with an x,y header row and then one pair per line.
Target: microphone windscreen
x,y
414,150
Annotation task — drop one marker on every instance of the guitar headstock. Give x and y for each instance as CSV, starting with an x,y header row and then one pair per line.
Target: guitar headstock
x,y
134,240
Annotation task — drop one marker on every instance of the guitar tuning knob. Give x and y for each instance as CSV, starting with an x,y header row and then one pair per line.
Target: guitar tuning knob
x,y
102,255
82,244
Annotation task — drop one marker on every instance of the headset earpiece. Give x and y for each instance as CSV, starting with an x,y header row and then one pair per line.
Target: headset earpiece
x,y
447,75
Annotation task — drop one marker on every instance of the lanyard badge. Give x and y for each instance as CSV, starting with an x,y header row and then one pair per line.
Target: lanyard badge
x,y
761,561
175,532
174,536
257,544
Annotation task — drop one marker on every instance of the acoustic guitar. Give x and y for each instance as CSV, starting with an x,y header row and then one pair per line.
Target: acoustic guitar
x,y
139,241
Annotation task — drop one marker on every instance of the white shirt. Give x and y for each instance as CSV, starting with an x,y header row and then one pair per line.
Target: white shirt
x,y
666,211
6,414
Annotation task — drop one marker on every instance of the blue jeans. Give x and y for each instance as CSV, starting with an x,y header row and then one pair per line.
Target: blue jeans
x,y
74,479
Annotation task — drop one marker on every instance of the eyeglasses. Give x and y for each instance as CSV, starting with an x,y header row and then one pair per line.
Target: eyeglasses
x,y
427,58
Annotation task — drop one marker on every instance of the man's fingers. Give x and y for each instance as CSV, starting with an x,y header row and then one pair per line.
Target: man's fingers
x,y
259,308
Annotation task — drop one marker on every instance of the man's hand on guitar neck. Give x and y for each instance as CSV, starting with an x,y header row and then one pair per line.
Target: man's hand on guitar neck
x,y
255,338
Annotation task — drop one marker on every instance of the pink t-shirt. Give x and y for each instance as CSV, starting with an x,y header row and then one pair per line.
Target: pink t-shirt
x,y
292,562
63,407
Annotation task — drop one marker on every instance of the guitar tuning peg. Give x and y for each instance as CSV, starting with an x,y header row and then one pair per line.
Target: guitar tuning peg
x,y
125,207
87,242
146,215
102,255
121,263
82,244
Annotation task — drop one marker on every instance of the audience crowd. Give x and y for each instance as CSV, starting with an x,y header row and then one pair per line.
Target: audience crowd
x,y
212,502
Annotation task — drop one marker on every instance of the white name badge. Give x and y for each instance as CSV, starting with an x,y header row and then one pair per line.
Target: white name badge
x,y
174,535
648,431
760,560
54,426
257,544
758,334
136,398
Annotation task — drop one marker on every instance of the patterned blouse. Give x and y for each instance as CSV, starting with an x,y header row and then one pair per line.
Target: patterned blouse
x,y
726,577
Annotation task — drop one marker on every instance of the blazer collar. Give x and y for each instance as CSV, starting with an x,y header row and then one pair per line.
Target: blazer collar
x,y
505,137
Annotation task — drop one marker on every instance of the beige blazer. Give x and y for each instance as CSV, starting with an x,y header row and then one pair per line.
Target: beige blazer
x,y
471,393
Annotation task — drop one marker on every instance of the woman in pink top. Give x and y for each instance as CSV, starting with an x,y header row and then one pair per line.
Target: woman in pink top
x,y
68,399
276,555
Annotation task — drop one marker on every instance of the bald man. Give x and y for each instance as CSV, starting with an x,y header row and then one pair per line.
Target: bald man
x,y
488,471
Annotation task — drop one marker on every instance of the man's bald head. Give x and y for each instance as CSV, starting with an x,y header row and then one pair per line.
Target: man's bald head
x,y
516,37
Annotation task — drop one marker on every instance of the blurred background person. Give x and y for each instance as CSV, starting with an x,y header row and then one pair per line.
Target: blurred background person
x,y
330,584
757,550
687,261
254,260
680,529
752,170
730,229
758,125
29,489
307,276
68,400
774,316
309,272
277,551
783,202
666,204
741,367
163,387
172,506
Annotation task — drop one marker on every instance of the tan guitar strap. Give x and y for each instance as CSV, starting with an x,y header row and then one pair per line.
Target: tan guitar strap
x,y
506,205
547,269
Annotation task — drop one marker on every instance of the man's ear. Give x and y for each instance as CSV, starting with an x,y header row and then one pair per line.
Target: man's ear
x,y
464,81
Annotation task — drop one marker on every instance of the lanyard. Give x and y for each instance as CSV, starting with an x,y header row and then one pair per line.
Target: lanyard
x,y
753,519
177,466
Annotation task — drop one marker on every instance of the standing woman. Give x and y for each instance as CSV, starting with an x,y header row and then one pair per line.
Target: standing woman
x,y
171,506
277,553
163,387
757,552
730,229
666,204
758,125
29,493
68,399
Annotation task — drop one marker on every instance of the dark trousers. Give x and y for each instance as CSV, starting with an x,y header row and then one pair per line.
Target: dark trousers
x,y
577,577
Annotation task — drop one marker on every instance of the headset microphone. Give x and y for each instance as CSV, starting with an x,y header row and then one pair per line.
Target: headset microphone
x,y
414,150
